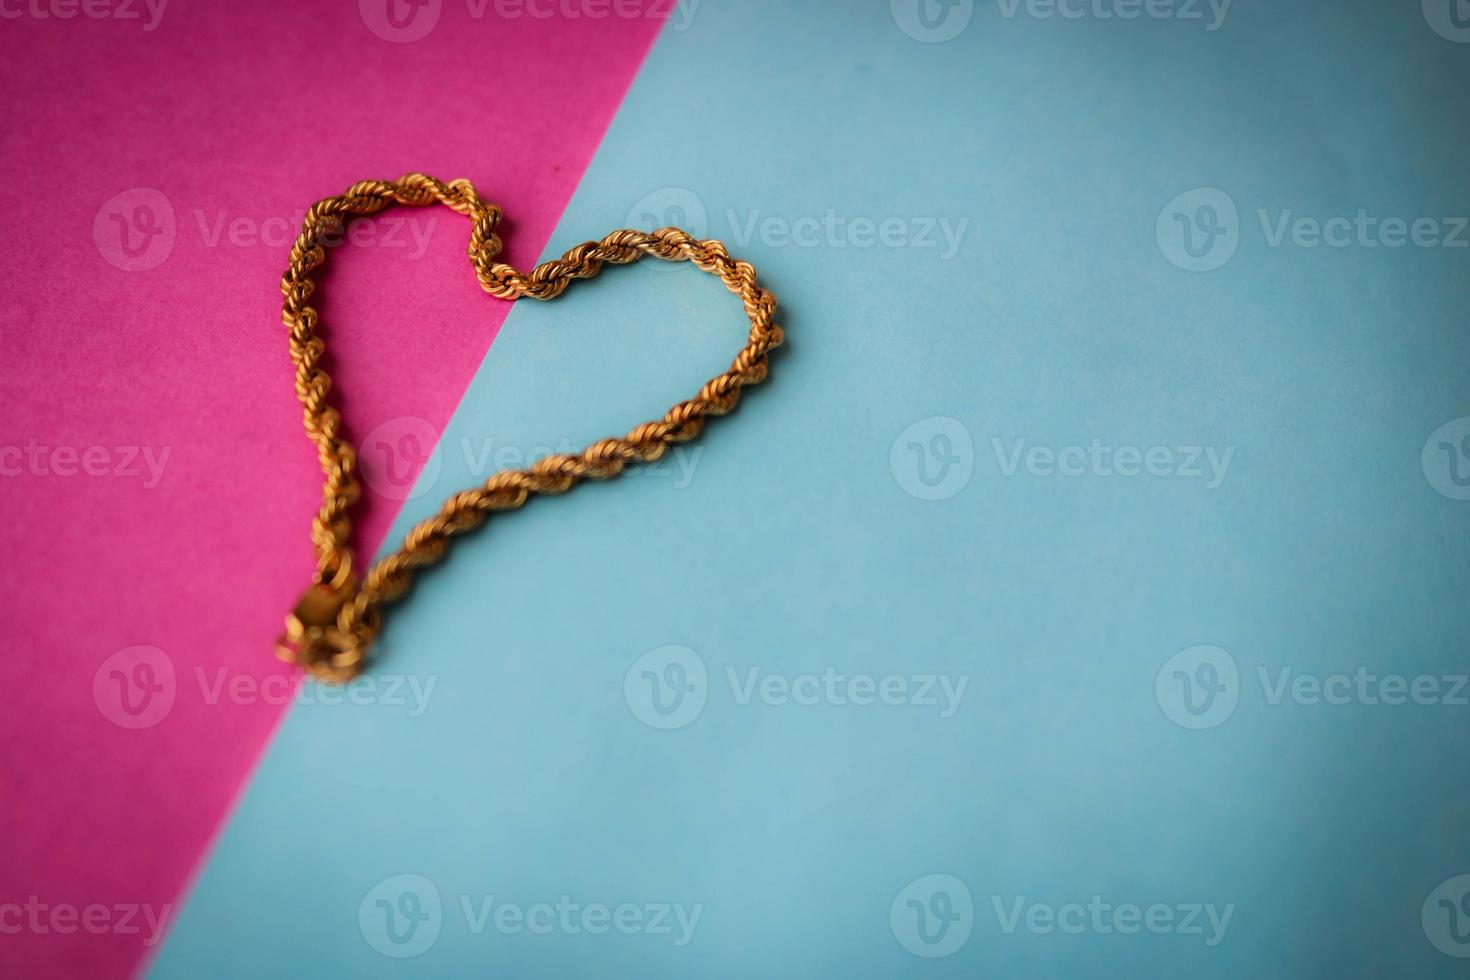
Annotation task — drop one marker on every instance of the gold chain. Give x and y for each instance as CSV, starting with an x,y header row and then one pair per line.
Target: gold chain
x,y
339,616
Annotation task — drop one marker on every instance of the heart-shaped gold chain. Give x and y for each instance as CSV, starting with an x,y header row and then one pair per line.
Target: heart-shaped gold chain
x,y
339,616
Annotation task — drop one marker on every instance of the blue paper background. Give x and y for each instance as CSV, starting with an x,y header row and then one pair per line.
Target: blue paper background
x,y
795,547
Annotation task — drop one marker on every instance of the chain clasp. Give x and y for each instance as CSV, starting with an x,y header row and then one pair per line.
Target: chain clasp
x,y
313,639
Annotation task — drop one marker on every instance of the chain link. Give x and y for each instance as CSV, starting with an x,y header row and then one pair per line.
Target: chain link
x,y
339,616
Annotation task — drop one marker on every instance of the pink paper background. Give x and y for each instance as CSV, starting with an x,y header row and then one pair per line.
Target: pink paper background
x,y
247,112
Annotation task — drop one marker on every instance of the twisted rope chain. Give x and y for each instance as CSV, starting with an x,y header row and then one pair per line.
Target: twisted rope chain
x,y
338,617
